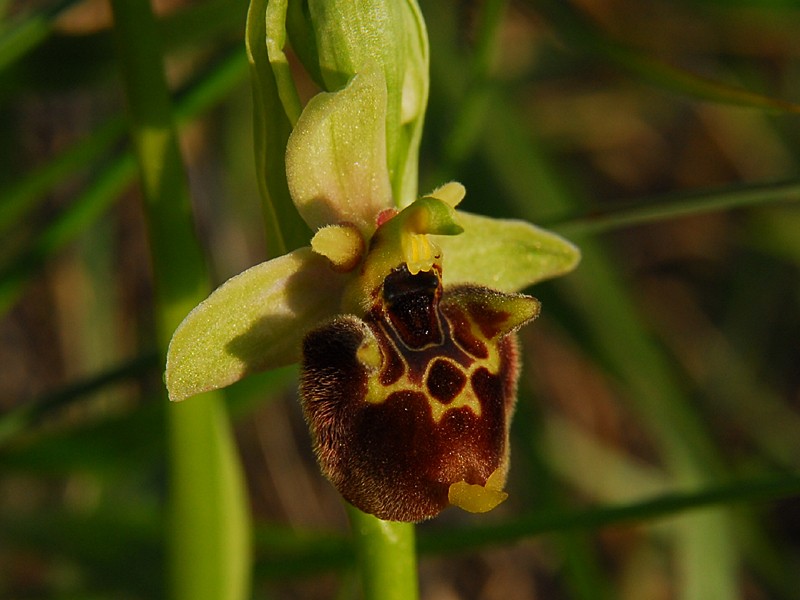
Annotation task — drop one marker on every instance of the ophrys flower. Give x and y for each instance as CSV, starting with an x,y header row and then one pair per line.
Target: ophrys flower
x,y
402,313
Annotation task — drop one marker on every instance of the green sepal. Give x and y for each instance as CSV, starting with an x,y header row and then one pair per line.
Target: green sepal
x,y
275,18
505,255
253,322
336,156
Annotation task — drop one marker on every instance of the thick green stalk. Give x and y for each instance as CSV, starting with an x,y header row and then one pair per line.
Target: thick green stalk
x,y
386,557
209,533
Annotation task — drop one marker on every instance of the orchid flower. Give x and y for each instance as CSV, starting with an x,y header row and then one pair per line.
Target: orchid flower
x,y
401,312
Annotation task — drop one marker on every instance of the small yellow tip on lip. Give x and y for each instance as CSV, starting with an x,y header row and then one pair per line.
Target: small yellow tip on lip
x,y
478,498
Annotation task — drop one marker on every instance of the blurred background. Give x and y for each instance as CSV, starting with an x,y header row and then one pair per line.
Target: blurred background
x,y
660,136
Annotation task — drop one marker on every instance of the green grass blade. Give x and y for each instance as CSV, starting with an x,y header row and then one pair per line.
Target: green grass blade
x,y
24,417
25,193
580,33
646,511
675,206
19,38
68,59
285,553
599,293
209,539
128,563
107,185
94,201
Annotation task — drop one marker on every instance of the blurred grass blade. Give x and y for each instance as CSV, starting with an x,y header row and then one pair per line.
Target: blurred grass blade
x,y
471,112
20,37
107,185
284,553
92,203
112,447
126,564
308,555
579,32
80,441
69,58
30,413
599,294
646,511
25,193
209,534
674,206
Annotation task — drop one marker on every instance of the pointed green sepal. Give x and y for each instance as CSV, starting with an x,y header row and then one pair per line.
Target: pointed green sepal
x,y
505,255
274,111
252,322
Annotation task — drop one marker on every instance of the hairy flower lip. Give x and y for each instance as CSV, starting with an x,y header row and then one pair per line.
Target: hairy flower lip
x,y
409,407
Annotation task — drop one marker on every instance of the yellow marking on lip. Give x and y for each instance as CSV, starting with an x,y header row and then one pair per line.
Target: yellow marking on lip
x,y
377,393
466,398
369,354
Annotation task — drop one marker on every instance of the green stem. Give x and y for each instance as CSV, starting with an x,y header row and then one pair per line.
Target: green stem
x,y
386,556
209,533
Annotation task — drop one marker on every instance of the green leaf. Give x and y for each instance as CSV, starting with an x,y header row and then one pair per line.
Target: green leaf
x,y
336,157
254,321
505,255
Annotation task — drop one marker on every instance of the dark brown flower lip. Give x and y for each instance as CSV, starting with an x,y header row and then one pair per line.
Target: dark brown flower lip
x,y
409,408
